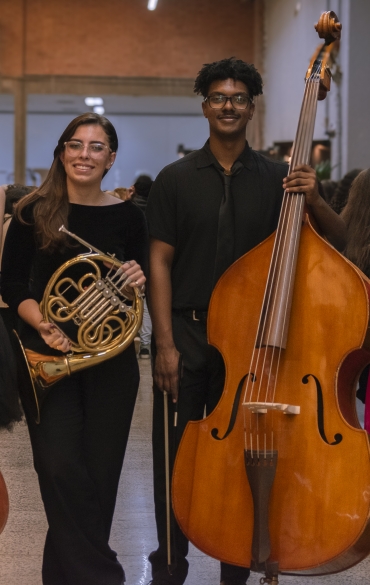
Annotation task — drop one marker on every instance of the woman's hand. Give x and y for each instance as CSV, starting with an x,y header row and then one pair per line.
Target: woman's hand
x,y
135,276
53,337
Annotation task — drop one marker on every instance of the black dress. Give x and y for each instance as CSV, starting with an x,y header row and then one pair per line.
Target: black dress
x,y
79,445
10,411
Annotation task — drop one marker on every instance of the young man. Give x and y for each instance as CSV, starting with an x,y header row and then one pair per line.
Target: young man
x,y
204,212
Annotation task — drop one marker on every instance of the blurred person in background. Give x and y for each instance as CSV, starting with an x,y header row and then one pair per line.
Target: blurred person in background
x,y
328,187
11,194
122,193
10,411
139,193
356,215
340,196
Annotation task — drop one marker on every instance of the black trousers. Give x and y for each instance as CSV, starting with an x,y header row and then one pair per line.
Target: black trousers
x,y
201,388
78,451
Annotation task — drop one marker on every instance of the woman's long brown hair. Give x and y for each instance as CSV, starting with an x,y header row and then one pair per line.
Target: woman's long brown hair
x,y
51,205
356,215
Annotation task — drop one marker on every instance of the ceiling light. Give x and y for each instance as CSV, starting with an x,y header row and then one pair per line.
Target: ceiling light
x,y
99,110
152,4
94,101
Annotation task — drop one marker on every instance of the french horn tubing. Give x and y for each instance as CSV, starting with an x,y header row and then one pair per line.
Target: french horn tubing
x,y
96,313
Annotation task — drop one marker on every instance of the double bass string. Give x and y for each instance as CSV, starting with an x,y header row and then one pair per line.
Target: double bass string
x,y
303,142
292,211
256,355
302,156
304,116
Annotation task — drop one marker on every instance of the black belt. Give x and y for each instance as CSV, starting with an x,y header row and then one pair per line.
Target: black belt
x,y
193,314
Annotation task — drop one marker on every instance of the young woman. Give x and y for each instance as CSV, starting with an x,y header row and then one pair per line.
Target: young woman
x,y
356,215
80,443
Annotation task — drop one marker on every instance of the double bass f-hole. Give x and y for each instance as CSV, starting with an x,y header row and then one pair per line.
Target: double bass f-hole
x,y
320,411
234,412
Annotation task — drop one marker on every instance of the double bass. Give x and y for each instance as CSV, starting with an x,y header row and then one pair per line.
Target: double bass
x,y
277,477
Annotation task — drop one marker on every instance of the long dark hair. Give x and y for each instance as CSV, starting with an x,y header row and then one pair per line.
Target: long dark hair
x,y
51,206
356,215
341,192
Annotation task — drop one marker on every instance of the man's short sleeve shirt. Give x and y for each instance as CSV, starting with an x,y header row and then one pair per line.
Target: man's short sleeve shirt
x,y
183,209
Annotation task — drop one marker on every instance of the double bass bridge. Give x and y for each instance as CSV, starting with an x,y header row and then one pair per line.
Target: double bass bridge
x,y
264,407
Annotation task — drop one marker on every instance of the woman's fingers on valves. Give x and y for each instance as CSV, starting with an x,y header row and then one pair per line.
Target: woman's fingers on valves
x,y
135,276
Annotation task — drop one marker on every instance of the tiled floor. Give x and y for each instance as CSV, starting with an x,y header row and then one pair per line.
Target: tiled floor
x,y
133,534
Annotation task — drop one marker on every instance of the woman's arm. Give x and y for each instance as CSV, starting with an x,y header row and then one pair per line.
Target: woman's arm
x,y
30,312
18,257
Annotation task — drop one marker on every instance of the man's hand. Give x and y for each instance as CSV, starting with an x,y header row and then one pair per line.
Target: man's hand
x,y
303,180
166,371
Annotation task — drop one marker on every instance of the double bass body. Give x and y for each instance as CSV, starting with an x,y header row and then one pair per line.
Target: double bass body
x,y
319,504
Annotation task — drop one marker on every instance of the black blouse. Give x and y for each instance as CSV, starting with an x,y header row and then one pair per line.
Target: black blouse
x,y
118,229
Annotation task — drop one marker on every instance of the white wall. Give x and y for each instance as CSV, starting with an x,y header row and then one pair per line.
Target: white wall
x,y
356,98
146,142
290,42
6,146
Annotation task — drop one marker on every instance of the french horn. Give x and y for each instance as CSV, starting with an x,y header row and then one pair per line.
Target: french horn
x,y
96,313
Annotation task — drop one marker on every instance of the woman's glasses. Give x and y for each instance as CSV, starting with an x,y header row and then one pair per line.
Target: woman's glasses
x,y
95,149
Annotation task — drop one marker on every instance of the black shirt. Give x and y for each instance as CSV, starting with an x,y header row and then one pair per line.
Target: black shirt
x,y
118,229
183,208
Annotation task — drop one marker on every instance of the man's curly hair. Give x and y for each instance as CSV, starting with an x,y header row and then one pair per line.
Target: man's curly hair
x,y
228,69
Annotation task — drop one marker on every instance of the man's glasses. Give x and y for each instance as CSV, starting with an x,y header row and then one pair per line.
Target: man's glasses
x,y
95,149
218,101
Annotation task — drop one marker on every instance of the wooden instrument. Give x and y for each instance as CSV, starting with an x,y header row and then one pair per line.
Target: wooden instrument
x,y
277,478
4,503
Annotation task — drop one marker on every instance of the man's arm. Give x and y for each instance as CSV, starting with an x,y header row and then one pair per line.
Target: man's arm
x,y
303,180
160,306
